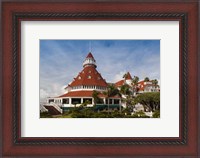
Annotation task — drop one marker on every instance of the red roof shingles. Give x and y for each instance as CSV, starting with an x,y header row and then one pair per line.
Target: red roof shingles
x,y
78,94
89,76
84,94
141,85
122,82
119,83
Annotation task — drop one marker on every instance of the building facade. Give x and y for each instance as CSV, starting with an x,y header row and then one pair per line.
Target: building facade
x,y
147,86
81,89
141,87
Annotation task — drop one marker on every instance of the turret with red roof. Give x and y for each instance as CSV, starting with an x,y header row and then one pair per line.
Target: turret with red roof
x,y
89,61
89,77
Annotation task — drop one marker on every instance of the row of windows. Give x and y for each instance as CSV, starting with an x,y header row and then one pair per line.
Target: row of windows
x,y
77,87
151,90
102,88
89,100
55,101
89,87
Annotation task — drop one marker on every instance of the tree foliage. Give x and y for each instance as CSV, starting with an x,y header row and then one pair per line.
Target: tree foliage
x,y
86,103
125,75
150,101
146,79
155,82
111,91
95,97
125,89
156,114
135,80
129,102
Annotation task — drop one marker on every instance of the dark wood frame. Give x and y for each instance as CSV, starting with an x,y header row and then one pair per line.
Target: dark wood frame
x,y
185,12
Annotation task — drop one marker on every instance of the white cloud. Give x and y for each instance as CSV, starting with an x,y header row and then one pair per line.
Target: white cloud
x,y
43,94
119,76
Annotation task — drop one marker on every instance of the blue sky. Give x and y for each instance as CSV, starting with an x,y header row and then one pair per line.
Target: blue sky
x,y
61,61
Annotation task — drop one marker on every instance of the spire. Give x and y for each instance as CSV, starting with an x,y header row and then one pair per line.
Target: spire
x,y
90,46
90,55
128,76
89,60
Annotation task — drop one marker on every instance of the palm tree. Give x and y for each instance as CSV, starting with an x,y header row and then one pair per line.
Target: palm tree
x,y
111,91
146,79
135,82
125,75
95,96
155,82
125,89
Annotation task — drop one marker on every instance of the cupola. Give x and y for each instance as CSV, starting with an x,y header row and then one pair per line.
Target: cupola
x,y
89,61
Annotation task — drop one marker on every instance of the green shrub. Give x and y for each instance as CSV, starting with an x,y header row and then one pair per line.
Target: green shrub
x,y
140,114
156,114
45,115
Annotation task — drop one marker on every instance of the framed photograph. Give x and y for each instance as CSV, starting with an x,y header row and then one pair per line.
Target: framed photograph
x,y
100,79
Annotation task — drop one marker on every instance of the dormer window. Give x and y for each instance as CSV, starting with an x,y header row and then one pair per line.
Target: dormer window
x,y
89,77
79,77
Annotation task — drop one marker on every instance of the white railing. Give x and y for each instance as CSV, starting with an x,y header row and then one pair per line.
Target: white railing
x,y
56,106
42,108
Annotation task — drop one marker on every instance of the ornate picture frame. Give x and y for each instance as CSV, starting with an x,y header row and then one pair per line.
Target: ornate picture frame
x,y
15,145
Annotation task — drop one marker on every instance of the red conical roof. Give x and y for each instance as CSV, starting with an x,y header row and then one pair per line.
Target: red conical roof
x,y
128,76
90,55
89,76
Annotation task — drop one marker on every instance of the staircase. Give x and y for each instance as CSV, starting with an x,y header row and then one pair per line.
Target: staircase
x,y
53,109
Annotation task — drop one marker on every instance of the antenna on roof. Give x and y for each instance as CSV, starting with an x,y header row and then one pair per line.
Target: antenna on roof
x,y
90,46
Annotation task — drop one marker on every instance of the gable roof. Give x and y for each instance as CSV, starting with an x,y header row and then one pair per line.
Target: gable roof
x,y
128,76
119,83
